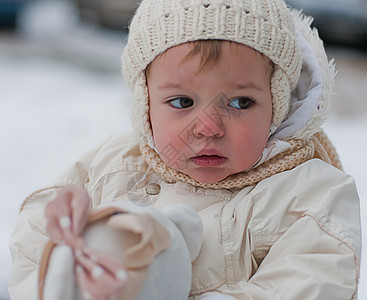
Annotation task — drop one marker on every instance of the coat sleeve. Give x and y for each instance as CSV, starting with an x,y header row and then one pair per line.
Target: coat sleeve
x,y
29,237
308,262
317,256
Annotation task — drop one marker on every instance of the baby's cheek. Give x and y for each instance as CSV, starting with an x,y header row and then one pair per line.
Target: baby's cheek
x,y
251,142
170,146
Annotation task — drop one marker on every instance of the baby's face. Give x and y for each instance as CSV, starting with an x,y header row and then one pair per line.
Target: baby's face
x,y
213,123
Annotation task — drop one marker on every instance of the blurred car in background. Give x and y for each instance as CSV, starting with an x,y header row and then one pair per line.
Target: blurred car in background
x,y
114,14
338,21
9,11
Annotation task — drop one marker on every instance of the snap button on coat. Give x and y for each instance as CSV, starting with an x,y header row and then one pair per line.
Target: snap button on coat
x,y
153,189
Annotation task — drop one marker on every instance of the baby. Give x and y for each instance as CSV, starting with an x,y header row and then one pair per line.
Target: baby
x,y
229,99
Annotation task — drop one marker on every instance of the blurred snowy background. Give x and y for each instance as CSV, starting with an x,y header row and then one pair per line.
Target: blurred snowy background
x,y
61,93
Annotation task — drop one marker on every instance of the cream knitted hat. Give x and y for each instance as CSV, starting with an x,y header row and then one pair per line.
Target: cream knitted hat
x,y
265,25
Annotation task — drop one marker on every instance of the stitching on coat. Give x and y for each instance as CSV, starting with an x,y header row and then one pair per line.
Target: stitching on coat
x,y
206,192
228,258
37,192
324,228
206,289
118,169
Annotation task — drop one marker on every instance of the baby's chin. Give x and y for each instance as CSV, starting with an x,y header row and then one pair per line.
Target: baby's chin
x,y
207,175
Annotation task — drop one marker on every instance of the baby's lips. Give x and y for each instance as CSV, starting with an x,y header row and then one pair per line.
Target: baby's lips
x,y
210,152
209,160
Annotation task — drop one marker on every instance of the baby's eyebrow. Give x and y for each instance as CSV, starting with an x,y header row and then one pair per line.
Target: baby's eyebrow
x,y
247,86
237,86
170,85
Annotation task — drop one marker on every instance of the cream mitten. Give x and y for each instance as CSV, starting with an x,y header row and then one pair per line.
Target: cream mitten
x,y
117,252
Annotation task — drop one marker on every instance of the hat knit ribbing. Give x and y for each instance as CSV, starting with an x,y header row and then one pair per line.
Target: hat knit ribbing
x,y
264,25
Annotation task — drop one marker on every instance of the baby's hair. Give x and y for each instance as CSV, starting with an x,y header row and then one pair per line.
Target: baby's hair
x,y
210,52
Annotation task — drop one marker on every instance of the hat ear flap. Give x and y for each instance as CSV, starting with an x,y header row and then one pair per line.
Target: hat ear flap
x,y
281,95
190,225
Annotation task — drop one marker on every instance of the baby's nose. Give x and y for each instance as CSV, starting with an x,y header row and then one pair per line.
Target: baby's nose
x,y
209,124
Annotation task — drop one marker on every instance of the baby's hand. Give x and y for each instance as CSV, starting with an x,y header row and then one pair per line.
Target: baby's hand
x,y
216,296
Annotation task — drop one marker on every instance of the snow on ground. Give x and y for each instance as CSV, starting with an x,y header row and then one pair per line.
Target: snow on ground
x,y
62,94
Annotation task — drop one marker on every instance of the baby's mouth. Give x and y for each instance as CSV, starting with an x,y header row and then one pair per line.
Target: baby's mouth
x,y
208,160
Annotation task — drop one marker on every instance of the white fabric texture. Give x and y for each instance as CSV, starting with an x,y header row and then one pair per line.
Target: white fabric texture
x,y
305,97
272,148
216,296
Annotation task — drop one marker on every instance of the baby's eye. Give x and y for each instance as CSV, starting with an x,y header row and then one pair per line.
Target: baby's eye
x,y
241,103
181,102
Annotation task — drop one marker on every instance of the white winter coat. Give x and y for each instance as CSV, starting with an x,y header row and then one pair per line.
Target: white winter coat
x,y
295,235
